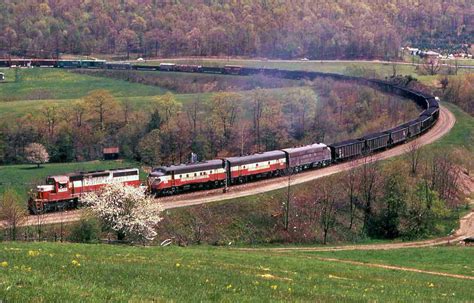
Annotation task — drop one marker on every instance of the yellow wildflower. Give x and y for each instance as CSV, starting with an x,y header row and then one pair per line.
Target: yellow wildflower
x,y
76,263
229,286
33,253
431,285
178,265
274,287
4,264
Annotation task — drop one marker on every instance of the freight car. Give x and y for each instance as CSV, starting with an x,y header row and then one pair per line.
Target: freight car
x,y
376,142
348,149
398,134
64,191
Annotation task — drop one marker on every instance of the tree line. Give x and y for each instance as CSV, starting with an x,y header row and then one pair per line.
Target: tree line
x,y
265,28
166,131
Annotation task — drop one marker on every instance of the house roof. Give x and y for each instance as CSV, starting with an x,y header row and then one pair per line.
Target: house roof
x,y
111,150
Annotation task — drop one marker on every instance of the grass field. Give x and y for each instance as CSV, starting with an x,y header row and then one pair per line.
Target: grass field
x,y
455,260
72,272
462,135
380,69
22,178
341,67
48,84
48,87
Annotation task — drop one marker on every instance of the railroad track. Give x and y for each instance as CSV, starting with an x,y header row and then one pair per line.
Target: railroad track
x,y
445,123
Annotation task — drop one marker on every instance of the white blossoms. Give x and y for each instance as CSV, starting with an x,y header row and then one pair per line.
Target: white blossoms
x,y
126,210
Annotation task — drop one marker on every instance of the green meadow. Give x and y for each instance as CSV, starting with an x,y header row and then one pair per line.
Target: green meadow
x,y
74,273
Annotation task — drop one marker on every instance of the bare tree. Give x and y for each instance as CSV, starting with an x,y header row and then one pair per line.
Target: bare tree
x,y
287,203
444,83
369,176
431,66
349,181
327,205
37,154
444,177
199,223
414,154
12,212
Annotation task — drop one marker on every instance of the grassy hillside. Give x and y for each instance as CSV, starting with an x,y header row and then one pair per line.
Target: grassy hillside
x,y
70,272
41,87
23,177
455,260
44,83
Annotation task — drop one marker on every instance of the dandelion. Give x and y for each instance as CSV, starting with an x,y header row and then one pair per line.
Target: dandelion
x,y
4,264
33,253
76,263
78,256
431,285
267,276
229,286
178,265
274,287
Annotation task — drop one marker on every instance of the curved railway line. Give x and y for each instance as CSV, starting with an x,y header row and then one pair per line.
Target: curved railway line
x,y
442,127
429,127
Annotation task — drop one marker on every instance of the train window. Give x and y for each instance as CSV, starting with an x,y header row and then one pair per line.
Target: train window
x,y
268,162
256,165
62,185
210,172
180,176
195,174
187,175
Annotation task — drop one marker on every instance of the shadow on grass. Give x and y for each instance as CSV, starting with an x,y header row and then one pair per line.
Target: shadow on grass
x,y
31,167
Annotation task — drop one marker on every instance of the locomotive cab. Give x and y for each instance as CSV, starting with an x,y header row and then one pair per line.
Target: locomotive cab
x,y
155,178
55,186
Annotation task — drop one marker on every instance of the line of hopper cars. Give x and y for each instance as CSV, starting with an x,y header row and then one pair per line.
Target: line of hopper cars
x,y
233,170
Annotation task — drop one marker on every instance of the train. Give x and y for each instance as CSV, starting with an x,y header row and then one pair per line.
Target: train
x,y
173,179
64,191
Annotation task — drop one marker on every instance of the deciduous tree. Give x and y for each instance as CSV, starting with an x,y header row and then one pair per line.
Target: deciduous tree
x,y
126,210
37,154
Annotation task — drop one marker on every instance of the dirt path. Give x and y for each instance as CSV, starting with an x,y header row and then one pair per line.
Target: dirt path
x,y
443,126
391,267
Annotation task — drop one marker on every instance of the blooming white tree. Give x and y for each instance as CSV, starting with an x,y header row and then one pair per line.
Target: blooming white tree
x,y
127,210
36,153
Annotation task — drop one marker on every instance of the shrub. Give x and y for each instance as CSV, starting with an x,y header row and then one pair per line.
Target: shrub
x,y
87,230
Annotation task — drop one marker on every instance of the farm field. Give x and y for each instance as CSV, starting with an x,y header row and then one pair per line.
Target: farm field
x,y
35,90
76,272
51,84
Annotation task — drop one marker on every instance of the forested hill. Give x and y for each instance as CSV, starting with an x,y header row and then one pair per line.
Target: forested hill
x,y
315,29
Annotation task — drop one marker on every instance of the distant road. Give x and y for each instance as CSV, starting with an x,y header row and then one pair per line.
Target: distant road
x,y
300,61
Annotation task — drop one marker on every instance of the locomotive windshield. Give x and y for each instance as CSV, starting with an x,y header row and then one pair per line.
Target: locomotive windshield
x,y
50,181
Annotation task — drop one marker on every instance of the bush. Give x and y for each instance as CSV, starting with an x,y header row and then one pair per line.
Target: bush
x,y
87,230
